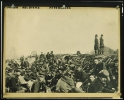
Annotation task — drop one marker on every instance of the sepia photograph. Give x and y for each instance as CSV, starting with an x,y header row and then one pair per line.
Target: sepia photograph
x,y
61,52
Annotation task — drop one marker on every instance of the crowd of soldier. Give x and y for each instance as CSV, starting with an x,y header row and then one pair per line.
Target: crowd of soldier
x,y
50,73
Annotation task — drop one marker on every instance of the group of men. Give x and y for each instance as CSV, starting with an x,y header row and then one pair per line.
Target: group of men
x,y
61,74
99,46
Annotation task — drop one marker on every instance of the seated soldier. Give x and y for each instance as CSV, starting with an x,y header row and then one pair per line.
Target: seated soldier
x,y
54,81
66,84
99,83
28,75
100,67
48,78
114,74
39,84
80,76
11,81
107,85
95,85
23,83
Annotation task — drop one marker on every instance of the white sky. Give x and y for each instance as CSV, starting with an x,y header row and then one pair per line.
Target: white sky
x,y
59,30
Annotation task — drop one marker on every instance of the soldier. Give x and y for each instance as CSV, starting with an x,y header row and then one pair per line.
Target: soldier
x,y
11,81
96,45
27,63
51,55
23,63
114,74
42,57
48,79
101,45
96,84
22,82
39,84
66,84
80,76
48,56
99,66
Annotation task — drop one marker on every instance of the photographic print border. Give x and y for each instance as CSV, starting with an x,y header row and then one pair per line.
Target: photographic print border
x,y
48,3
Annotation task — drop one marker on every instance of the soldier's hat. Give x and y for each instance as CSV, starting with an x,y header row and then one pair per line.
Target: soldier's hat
x,y
41,74
101,34
96,35
78,65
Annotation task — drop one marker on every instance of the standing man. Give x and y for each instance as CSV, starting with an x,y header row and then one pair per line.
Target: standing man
x,y
96,45
101,45
42,56
48,56
23,63
51,55
27,63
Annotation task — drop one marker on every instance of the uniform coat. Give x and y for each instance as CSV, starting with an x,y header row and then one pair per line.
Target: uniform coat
x,y
99,67
101,43
81,75
95,86
96,45
12,82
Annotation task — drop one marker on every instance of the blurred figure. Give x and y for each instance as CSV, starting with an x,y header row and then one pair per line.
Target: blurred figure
x,y
23,63
66,84
99,66
39,84
80,76
95,85
23,84
96,45
114,74
12,81
42,57
51,55
101,45
48,56
27,63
